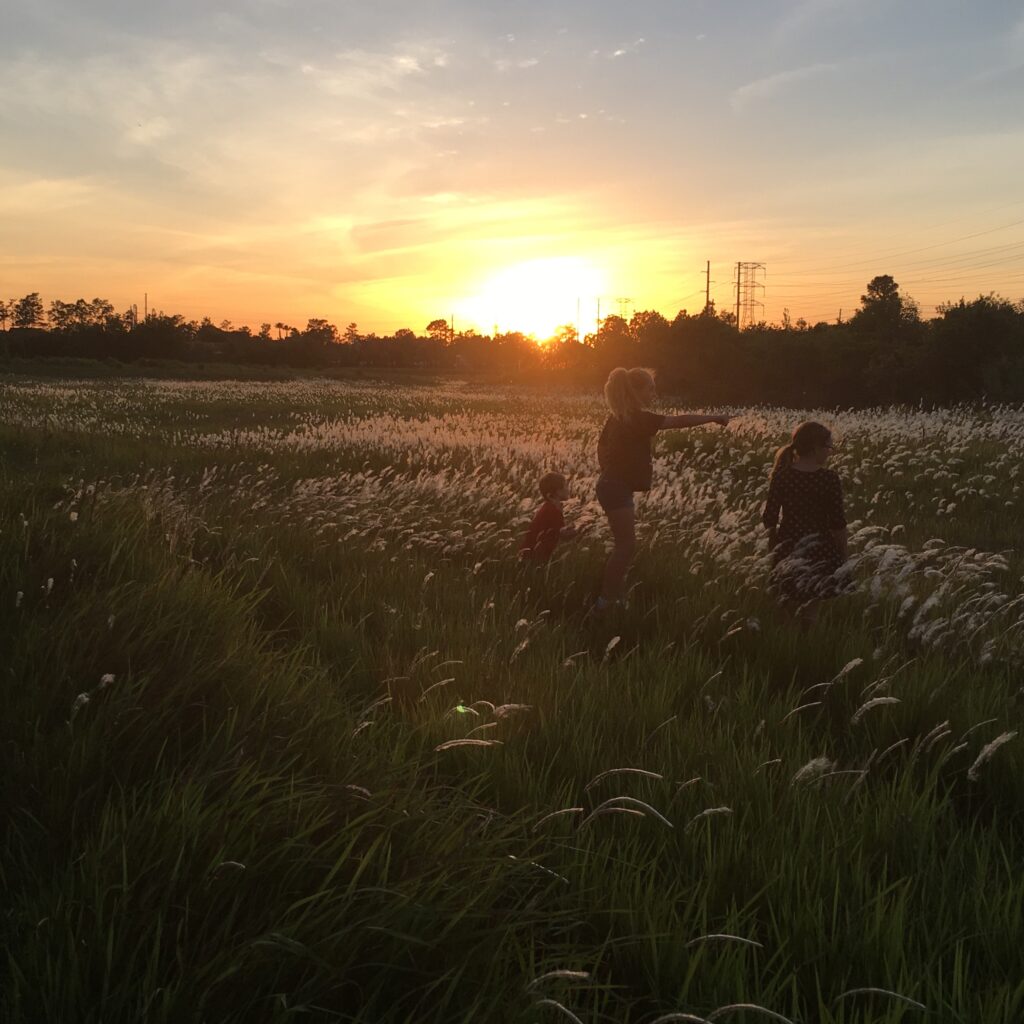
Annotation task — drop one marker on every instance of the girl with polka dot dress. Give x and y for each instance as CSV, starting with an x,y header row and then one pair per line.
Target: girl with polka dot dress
x,y
809,545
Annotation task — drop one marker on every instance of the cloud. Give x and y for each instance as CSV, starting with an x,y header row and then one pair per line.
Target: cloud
x,y
764,89
804,14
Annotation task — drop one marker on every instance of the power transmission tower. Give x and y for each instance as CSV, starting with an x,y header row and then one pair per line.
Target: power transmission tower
x,y
624,307
747,284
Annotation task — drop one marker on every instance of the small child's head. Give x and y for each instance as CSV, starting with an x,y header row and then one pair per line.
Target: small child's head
x,y
628,391
554,487
811,443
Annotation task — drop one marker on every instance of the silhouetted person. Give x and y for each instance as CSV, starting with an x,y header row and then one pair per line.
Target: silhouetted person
x,y
624,454
809,546
548,526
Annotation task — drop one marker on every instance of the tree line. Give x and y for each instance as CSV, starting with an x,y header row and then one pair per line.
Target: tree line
x,y
885,353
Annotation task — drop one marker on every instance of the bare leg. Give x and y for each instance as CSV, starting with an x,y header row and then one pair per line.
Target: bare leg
x,y
622,524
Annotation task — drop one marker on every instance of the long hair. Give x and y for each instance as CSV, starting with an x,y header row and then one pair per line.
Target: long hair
x,y
806,438
623,389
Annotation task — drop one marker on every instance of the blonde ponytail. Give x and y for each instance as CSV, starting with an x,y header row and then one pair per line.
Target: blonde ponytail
x,y
623,391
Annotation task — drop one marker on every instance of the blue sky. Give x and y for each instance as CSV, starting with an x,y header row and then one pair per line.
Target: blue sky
x,y
382,162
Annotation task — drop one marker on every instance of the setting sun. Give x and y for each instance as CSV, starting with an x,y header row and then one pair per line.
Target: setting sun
x,y
537,297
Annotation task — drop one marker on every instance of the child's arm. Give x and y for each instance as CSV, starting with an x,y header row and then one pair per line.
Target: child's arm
x,y
693,420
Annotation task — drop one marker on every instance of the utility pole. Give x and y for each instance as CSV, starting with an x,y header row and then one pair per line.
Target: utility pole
x,y
145,301
707,288
598,331
579,323
451,332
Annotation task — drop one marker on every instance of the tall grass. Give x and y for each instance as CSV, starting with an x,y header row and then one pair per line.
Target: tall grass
x,y
239,659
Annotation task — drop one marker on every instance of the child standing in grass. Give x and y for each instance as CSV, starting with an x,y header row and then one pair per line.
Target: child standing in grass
x,y
809,546
548,526
624,455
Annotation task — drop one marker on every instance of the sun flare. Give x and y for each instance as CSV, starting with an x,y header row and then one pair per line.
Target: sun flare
x,y
537,297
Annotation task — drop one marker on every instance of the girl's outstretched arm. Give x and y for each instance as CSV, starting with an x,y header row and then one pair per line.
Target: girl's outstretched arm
x,y
693,420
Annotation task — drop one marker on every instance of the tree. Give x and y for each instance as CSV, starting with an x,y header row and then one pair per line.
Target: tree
x,y
352,334
882,306
77,315
648,325
4,313
264,334
439,330
28,311
321,331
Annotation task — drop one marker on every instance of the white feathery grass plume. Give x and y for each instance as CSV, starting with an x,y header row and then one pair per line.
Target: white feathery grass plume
x,y
520,647
881,992
480,728
893,746
559,976
557,814
767,764
507,710
689,782
978,725
723,1011
539,867
631,811
452,744
708,812
813,770
620,771
724,937
875,702
627,803
80,702
658,729
435,686
612,644
802,707
986,752
107,679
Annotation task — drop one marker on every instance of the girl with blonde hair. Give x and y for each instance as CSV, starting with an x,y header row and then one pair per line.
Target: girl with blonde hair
x,y
624,455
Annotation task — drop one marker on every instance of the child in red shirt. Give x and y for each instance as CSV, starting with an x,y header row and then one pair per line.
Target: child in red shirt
x,y
548,526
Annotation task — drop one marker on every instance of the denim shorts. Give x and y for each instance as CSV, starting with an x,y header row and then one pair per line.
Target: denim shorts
x,y
612,496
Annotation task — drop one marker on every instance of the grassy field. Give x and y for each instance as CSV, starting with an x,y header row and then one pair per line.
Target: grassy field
x,y
289,735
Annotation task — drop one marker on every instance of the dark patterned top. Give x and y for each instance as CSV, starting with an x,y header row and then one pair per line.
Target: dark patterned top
x,y
810,503
624,449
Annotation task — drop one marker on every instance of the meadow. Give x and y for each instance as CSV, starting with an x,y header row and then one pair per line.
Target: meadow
x,y
289,734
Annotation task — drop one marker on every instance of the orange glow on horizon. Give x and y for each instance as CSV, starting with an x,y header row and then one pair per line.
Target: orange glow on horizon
x,y
536,297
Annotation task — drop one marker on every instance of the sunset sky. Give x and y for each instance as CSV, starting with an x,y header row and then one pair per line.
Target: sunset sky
x,y
391,162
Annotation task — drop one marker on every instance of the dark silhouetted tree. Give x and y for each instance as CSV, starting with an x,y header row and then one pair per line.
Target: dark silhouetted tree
x,y
439,330
28,311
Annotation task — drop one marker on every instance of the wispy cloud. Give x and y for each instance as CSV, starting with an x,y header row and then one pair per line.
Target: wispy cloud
x,y
763,89
803,14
